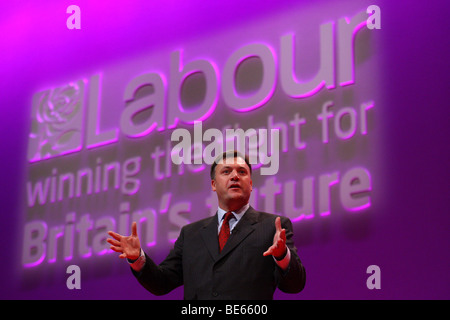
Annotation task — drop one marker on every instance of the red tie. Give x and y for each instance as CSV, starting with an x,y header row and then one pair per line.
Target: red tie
x,y
224,233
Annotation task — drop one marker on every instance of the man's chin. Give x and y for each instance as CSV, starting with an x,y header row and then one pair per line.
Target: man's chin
x,y
237,198
236,194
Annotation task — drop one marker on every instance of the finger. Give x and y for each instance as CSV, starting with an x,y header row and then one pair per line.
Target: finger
x,y
278,224
123,256
269,251
115,235
113,242
283,234
134,229
116,249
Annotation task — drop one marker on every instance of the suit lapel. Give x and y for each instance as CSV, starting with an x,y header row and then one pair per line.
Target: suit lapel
x,y
210,237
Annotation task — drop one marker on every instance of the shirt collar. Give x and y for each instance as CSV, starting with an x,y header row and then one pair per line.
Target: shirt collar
x,y
237,214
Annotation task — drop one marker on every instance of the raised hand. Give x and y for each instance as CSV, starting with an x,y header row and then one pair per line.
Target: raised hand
x,y
128,246
278,249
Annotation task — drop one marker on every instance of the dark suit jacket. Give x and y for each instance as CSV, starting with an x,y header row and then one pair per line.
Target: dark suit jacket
x,y
240,271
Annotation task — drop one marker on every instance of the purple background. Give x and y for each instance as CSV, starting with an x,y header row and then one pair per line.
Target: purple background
x,y
405,232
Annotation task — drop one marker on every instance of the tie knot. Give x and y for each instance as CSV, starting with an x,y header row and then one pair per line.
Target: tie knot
x,y
228,216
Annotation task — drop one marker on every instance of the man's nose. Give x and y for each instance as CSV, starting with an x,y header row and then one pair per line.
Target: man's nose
x,y
234,175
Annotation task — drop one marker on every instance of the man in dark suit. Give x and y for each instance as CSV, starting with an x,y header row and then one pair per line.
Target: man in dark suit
x,y
239,253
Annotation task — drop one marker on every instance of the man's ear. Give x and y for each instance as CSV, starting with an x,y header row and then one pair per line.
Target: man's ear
x,y
213,185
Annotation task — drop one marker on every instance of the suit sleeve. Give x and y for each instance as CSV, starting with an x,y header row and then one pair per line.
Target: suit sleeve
x,y
163,278
293,279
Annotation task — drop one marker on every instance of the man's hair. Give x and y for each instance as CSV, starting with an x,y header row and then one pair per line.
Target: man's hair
x,y
225,155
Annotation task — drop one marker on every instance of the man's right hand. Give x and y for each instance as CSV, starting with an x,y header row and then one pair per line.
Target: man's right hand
x,y
128,246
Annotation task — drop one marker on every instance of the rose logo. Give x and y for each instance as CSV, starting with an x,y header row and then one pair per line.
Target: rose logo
x,y
57,122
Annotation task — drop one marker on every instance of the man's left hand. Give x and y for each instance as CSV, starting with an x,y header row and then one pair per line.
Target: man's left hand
x,y
278,249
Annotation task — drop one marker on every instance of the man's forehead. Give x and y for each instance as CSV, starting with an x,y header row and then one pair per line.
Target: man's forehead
x,y
232,160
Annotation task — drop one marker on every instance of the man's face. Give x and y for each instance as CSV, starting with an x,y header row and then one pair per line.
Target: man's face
x,y
232,183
